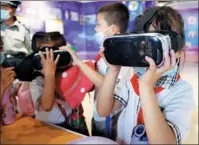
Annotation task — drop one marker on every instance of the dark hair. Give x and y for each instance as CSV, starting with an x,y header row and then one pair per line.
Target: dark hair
x,y
44,37
168,18
116,13
37,39
58,38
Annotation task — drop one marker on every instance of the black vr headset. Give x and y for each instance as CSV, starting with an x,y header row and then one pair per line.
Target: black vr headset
x,y
28,67
23,66
131,49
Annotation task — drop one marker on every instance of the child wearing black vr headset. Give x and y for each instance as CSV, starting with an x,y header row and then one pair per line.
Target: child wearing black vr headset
x,y
157,102
43,88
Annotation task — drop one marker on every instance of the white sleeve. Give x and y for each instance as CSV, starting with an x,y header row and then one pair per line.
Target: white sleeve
x,y
121,92
178,111
36,87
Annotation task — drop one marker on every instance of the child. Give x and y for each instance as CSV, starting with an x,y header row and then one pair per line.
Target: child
x,y
157,103
43,89
111,19
7,76
7,109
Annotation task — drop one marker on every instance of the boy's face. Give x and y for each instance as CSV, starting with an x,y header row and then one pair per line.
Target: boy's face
x,y
101,23
102,26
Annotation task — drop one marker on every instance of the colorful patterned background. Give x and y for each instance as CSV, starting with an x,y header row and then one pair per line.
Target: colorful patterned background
x,y
77,21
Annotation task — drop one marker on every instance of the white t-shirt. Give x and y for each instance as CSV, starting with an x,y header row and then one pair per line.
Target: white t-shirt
x,y
177,102
54,116
102,68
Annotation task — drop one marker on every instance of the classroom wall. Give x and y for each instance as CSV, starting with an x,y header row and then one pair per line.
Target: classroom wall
x,y
77,21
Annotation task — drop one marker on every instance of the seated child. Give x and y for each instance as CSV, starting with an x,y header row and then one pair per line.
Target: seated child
x,y
157,102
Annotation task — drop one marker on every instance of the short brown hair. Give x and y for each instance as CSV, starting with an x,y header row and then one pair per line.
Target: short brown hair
x,y
116,13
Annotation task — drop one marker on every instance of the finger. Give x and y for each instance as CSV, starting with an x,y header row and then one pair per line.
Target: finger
x,y
11,78
173,58
152,65
62,48
51,54
42,56
5,70
47,54
8,72
66,48
9,68
57,59
11,73
10,81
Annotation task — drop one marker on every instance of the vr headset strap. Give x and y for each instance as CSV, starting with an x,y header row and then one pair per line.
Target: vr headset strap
x,y
140,25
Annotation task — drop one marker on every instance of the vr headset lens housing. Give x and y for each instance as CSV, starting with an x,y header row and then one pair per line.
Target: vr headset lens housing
x,y
130,50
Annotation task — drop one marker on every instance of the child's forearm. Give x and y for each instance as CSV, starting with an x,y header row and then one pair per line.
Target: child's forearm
x,y
105,101
96,78
48,95
158,130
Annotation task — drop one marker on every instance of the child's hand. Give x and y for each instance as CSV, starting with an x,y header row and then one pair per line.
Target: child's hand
x,y
49,65
76,59
7,77
153,73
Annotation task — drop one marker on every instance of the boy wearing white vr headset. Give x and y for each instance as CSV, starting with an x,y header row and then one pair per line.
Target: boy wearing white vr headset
x,y
157,103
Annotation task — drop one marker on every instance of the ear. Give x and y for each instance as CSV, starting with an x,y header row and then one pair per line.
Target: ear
x,y
179,53
116,29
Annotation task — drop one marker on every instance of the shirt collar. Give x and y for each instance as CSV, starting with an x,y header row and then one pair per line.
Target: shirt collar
x,y
164,81
14,25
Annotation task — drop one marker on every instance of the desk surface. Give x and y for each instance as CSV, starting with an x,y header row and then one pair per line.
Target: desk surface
x,y
27,130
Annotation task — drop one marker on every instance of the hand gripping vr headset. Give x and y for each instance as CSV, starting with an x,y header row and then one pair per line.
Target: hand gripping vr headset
x,y
131,49
65,59
28,67
23,66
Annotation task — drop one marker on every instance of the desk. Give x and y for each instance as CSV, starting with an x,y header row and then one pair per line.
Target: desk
x,y
27,130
